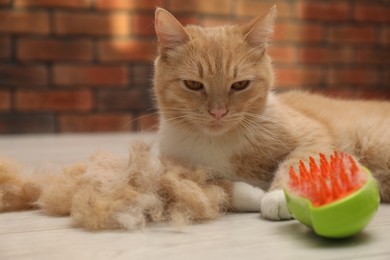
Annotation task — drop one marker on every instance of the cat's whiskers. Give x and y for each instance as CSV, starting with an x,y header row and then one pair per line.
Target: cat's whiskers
x,y
138,118
184,121
148,130
264,119
256,136
269,134
245,124
175,109
237,129
255,145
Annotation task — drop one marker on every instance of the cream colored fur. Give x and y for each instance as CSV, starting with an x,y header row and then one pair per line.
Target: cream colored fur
x,y
109,192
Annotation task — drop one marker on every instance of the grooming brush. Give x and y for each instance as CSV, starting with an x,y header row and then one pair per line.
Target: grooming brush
x,y
336,198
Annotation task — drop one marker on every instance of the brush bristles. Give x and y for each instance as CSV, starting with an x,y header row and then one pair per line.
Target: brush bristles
x,y
333,179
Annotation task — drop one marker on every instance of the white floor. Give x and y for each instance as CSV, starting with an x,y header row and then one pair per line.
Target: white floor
x,y
32,235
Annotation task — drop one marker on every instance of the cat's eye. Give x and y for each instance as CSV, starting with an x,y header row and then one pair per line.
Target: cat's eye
x,y
193,85
240,85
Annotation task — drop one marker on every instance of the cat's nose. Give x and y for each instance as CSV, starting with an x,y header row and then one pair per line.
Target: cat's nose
x,y
218,113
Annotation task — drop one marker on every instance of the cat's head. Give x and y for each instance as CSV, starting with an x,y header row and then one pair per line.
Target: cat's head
x,y
212,80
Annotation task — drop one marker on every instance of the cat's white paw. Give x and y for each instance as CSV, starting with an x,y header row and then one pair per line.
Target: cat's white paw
x,y
246,197
274,207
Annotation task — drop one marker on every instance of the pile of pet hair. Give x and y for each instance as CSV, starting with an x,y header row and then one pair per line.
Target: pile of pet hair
x,y
109,192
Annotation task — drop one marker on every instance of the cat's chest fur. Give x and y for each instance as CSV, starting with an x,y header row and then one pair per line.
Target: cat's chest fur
x,y
214,153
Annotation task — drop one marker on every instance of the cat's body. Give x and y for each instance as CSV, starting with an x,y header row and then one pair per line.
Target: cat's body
x,y
317,121
213,89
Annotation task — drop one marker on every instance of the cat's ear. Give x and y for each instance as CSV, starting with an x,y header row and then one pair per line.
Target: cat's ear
x,y
259,30
170,32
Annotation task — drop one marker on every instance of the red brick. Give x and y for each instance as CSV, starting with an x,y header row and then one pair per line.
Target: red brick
x,y
95,123
52,3
373,56
143,24
353,34
142,75
353,76
5,48
385,36
256,8
24,22
54,50
297,77
287,31
147,123
90,75
340,55
387,77
92,24
126,50
323,11
322,55
187,19
5,100
128,4
313,55
23,75
372,12
26,123
282,54
122,100
51,100
201,6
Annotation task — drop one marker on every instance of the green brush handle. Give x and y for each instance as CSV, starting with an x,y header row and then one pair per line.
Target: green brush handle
x,y
339,219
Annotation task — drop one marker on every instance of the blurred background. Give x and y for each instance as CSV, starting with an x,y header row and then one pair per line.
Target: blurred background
x,y
86,65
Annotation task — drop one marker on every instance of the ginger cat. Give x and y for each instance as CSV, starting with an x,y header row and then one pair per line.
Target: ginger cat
x,y
213,88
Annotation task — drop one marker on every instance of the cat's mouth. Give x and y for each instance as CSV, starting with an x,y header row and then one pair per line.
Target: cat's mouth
x,y
216,128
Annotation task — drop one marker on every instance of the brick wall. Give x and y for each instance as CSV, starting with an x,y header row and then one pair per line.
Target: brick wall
x,y
86,65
